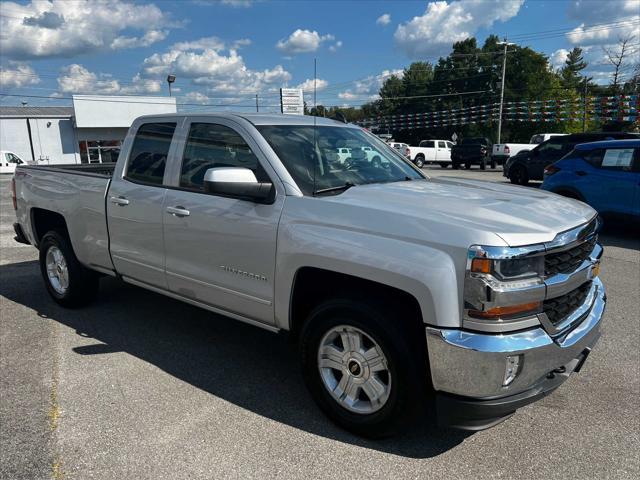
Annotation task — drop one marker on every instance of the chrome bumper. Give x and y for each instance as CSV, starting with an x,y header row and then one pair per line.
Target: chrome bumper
x,y
473,364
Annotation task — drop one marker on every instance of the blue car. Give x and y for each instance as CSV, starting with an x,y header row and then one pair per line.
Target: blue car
x,y
606,175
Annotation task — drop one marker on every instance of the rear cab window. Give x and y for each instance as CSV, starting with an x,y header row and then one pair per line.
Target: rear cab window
x,y
149,152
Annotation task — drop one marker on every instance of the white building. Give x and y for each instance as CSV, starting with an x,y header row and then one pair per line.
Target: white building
x,y
89,132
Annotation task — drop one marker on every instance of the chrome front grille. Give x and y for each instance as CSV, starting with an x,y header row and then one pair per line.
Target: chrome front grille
x,y
559,308
568,260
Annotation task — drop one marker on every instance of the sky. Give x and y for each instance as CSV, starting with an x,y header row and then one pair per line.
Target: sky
x,y
224,52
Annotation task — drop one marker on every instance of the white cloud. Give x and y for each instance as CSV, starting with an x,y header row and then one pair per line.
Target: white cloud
x,y
210,63
61,28
303,41
444,23
237,3
334,48
384,19
149,38
18,75
368,88
75,78
196,97
558,58
307,85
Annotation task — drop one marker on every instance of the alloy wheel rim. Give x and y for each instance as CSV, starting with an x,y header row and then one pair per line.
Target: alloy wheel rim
x,y
354,369
57,270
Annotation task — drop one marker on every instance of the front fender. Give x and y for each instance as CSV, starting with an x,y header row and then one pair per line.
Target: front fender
x,y
428,274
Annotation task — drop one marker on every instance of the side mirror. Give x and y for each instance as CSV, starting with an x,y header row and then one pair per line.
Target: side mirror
x,y
238,182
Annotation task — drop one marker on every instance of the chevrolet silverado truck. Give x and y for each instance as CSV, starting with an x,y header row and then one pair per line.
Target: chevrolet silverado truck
x,y
405,294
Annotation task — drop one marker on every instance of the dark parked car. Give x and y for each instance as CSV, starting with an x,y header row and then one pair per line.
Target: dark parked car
x,y
606,175
530,165
472,150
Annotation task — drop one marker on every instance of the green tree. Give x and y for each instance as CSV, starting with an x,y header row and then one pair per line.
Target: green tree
x,y
571,71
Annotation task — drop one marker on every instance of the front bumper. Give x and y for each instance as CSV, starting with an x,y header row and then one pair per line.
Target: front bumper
x,y
468,368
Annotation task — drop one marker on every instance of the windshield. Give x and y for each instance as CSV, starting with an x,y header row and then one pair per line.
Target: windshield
x,y
335,157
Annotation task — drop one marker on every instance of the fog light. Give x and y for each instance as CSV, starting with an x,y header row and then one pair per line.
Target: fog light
x,y
511,369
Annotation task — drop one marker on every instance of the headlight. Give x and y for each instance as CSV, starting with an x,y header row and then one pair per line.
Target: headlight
x,y
509,269
504,288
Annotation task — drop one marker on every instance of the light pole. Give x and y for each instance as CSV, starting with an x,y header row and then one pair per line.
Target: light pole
x,y
170,80
504,69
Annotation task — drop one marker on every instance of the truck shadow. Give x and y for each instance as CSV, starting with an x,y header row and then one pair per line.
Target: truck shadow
x,y
250,367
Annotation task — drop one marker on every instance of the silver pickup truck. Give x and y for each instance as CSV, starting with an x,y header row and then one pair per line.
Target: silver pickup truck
x,y
405,293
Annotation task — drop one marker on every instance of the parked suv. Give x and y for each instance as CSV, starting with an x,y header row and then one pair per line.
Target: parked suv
x,y
530,165
606,175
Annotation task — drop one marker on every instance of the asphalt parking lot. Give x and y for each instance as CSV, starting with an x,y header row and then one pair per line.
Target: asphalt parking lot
x,y
137,385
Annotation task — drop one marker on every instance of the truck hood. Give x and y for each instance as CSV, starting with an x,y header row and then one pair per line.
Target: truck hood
x,y
518,215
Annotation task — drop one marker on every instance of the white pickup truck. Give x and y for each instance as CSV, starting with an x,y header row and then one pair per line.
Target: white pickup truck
x,y
431,151
404,293
502,151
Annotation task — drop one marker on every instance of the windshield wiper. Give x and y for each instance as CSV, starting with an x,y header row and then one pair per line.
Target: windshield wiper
x,y
340,188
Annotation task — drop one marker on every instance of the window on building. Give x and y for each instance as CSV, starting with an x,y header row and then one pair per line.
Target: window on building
x,y
99,151
149,152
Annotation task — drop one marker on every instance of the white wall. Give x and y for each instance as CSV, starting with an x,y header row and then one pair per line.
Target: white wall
x,y
53,139
95,111
15,137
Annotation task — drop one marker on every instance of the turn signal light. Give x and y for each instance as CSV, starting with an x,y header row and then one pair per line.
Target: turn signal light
x,y
501,312
481,265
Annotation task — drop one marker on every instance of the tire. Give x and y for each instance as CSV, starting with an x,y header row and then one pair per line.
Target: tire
x,y
518,175
455,165
483,164
467,165
67,281
419,161
444,164
402,376
494,164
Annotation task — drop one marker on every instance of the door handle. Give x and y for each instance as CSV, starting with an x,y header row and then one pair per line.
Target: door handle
x,y
120,201
178,211
580,173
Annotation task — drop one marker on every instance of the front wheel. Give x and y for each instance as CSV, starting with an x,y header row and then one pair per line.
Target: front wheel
x,y
483,164
444,164
67,281
467,165
361,367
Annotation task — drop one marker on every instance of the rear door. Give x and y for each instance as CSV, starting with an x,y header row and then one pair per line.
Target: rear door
x,y
428,148
609,183
221,250
443,152
135,205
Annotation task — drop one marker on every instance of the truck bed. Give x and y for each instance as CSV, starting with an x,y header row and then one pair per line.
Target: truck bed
x,y
75,192
92,169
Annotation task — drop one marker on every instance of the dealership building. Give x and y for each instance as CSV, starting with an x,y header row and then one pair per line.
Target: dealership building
x,y
91,131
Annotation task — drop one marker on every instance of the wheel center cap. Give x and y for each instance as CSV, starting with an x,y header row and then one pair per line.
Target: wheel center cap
x,y
354,367
59,268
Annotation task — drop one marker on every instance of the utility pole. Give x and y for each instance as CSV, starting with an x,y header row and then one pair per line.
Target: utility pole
x,y
257,106
584,105
504,69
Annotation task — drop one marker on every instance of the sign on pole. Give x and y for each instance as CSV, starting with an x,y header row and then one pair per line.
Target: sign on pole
x,y
291,101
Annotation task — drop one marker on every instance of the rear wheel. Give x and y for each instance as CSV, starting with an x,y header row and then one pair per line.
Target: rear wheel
x,y
518,175
467,165
419,161
67,281
483,164
444,164
362,367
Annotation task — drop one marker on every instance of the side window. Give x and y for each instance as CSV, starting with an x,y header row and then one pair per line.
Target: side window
x,y
594,157
617,159
429,144
551,147
442,144
148,157
209,146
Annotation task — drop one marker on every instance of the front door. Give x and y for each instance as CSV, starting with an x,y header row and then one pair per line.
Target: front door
x,y
135,207
221,251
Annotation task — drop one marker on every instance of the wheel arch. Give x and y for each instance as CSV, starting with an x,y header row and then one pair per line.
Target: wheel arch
x,y
312,285
43,221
